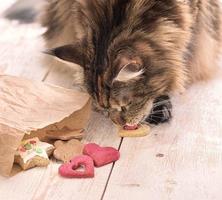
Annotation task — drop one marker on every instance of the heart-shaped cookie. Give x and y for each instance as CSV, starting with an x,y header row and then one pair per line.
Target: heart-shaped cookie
x,y
78,167
101,155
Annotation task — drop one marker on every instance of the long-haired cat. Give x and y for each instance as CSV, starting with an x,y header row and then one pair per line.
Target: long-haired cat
x,y
134,53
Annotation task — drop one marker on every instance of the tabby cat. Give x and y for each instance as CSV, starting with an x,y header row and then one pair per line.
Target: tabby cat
x,y
135,53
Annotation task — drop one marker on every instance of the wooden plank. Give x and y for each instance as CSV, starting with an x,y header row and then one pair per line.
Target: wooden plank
x,y
5,4
20,50
20,47
60,75
180,160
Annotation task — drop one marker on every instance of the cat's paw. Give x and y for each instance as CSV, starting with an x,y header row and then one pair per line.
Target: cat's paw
x,y
161,111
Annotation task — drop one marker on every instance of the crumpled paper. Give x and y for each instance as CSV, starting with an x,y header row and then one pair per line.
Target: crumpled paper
x,y
29,109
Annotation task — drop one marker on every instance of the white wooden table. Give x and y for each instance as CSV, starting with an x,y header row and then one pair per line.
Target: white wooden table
x,y
190,167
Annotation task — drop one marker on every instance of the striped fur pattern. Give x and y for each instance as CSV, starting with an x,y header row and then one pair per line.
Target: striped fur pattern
x,y
133,51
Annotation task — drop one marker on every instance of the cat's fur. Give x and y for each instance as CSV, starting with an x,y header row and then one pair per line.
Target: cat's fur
x,y
133,51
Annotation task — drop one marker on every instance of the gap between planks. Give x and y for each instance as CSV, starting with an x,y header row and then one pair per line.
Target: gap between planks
x,y
111,171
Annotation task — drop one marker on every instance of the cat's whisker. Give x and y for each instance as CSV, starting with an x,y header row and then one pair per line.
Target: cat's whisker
x,y
156,117
150,118
161,103
160,111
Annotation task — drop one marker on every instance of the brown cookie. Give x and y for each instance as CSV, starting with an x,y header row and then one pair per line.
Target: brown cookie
x,y
65,151
65,134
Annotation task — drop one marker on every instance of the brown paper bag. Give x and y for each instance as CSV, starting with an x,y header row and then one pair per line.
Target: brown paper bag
x,y
29,108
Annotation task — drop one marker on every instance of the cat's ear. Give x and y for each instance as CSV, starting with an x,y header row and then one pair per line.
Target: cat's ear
x,y
130,71
70,54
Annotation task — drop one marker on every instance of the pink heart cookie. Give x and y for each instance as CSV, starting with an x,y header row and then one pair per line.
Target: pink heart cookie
x,y
73,168
101,155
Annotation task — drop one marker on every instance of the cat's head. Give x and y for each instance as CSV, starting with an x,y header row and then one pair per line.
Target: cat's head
x,y
131,54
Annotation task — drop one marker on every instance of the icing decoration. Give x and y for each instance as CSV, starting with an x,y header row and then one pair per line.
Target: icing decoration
x,y
31,148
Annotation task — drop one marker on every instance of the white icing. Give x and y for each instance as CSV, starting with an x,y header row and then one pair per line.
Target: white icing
x,y
29,154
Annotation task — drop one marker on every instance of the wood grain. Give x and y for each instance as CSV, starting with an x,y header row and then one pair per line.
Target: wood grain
x,y
21,47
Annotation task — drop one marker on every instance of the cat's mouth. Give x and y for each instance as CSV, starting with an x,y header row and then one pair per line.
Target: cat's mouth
x,y
130,127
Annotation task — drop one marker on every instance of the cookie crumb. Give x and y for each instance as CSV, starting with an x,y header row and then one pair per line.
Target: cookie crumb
x,y
160,155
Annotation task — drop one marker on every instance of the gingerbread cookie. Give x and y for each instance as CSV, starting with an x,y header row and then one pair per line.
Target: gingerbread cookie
x,y
134,131
33,153
65,151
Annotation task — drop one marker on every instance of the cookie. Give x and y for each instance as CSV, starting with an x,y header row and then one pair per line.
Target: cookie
x,y
101,155
79,167
136,131
65,151
65,134
33,153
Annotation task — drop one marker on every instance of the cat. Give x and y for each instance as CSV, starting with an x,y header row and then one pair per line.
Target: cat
x,y
135,53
